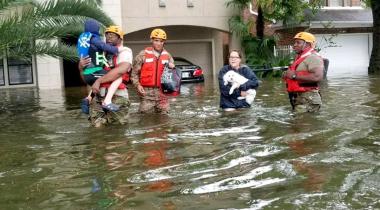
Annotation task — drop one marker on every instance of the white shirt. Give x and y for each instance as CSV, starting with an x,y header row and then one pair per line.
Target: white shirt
x,y
125,55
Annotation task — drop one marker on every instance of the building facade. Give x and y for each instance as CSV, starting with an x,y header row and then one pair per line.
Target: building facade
x,y
343,29
197,31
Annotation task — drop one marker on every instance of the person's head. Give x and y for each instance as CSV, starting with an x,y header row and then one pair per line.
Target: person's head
x,y
234,58
303,40
92,26
114,35
158,38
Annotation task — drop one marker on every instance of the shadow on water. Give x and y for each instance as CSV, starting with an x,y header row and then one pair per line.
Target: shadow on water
x,y
197,156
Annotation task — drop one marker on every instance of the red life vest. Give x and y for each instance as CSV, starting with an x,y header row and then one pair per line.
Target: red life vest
x,y
293,85
124,76
152,68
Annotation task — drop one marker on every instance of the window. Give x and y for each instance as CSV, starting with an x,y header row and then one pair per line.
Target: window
x,y
20,72
2,81
342,3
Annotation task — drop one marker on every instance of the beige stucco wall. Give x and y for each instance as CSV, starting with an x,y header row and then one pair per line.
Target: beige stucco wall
x,y
141,14
204,25
202,46
49,72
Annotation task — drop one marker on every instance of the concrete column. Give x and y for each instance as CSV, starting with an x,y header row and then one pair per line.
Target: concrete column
x,y
49,72
113,9
218,53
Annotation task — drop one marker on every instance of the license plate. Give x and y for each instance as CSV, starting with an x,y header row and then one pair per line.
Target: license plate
x,y
185,74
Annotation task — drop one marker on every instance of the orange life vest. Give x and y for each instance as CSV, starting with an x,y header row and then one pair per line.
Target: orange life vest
x,y
293,85
124,76
152,68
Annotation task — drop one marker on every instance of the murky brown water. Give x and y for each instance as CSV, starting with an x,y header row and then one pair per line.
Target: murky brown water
x,y
197,157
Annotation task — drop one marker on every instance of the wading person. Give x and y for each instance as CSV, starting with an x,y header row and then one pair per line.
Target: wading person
x,y
236,98
303,77
147,69
90,44
119,66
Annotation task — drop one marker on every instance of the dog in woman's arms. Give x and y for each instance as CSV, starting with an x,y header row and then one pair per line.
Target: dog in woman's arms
x,y
236,80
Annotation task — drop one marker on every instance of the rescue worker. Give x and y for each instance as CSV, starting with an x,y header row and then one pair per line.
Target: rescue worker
x,y
304,74
120,65
147,69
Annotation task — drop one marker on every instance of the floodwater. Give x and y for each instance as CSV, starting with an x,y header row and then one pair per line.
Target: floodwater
x,y
197,157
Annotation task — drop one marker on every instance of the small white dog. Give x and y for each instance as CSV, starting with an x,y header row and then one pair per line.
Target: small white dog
x,y
236,80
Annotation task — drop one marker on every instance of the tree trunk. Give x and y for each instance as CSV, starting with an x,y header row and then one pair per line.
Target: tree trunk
x,y
374,62
260,24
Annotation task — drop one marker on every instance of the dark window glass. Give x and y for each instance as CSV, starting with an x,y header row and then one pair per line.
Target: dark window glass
x,y
2,82
20,72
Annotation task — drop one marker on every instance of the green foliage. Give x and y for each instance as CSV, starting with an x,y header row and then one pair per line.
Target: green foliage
x,y
257,51
239,27
260,56
240,4
23,22
290,12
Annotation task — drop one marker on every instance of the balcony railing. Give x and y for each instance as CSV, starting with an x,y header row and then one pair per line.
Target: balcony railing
x,y
342,3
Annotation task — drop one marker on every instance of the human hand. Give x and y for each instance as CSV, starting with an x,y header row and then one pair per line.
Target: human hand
x,y
140,90
243,93
171,65
288,74
96,86
83,62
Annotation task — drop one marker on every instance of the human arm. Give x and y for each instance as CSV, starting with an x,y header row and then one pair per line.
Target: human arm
x,y
225,89
83,62
124,61
101,45
136,70
252,82
314,65
112,75
171,62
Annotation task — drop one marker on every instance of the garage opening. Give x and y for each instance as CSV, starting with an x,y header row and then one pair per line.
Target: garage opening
x,y
70,69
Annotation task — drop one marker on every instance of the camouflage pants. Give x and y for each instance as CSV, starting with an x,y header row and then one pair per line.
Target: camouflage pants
x,y
99,117
154,101
306,101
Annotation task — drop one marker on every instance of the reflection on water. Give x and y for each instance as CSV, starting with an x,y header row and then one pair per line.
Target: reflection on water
x,y
197,157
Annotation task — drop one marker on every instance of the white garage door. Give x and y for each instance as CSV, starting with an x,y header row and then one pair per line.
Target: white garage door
x,y
199,53
350,55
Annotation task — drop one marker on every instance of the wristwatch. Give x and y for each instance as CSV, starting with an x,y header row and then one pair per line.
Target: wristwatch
x,y
294,76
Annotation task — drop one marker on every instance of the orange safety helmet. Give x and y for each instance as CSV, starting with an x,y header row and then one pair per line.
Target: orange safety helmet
x,y
158,33
307,37
115,29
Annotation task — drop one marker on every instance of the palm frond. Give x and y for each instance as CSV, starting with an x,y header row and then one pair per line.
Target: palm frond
x,y
56,50
22,22
5,4
238,26
74,8
240,4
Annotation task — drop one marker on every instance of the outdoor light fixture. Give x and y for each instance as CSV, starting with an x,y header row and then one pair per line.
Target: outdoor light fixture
x,y
190,3
161,3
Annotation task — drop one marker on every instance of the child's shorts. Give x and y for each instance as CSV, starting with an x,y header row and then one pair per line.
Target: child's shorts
x,y
91,78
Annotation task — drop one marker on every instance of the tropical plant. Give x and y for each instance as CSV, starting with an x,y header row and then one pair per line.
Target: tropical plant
x,y
374,62
259,49
27,26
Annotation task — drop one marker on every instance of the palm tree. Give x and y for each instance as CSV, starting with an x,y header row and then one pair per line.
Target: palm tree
x,y
374,63
27,26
